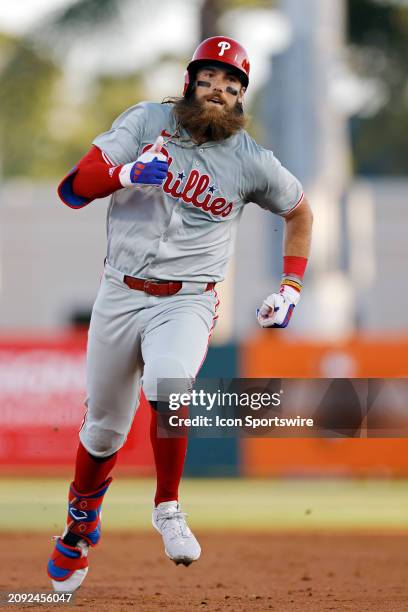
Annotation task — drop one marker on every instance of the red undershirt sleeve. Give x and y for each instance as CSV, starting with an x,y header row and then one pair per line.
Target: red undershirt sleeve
x,y
95,176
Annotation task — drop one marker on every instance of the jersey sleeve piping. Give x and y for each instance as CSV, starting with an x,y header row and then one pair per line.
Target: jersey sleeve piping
x,y
107,158
300,200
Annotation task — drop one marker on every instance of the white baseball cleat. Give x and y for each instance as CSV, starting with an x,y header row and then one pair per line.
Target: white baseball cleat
x,y
179,542
68,566
71,584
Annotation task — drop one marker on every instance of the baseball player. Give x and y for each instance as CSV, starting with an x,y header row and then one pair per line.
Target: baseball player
x,y
179,174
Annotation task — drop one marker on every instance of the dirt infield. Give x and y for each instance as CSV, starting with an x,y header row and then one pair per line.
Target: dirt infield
x,y
237,572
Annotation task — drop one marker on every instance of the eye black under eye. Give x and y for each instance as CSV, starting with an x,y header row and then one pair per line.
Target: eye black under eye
x,y
232,90
203,84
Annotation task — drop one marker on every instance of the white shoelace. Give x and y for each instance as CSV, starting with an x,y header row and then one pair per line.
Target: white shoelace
x,y
178,528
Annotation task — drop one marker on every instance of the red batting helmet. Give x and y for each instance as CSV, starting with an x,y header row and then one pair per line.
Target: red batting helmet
x,y
218,49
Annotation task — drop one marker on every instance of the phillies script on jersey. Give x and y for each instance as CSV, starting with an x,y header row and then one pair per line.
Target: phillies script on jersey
x,y
195,186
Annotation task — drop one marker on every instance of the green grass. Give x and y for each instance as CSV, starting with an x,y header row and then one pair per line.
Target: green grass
x,y
39,504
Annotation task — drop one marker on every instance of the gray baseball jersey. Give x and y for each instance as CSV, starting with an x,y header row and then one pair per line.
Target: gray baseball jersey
x,y
185,229
181,230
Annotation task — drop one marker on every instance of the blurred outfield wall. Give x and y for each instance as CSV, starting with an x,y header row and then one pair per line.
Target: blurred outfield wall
x,y
42,389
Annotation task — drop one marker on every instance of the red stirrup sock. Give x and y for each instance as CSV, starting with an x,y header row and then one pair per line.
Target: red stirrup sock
x,y
169,456
91,472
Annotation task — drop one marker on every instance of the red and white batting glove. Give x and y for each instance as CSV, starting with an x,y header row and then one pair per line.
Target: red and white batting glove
x,y
277,308
149,169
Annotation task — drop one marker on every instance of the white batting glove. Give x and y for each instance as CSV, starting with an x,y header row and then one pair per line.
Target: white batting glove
x,y
277,308
150,168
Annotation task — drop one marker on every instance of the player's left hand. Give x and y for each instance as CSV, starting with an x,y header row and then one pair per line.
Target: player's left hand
x,y
277,308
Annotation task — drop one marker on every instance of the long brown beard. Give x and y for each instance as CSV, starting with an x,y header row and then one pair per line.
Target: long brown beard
x,y
205,123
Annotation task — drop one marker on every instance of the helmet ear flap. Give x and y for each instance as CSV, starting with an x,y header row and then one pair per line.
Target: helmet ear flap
x,y
189,84
186,83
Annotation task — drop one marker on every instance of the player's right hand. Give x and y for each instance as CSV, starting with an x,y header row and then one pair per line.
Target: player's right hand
x,y
149,169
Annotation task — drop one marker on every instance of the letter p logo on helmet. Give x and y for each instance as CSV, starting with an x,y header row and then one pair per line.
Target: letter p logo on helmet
x,y
224,46
217,48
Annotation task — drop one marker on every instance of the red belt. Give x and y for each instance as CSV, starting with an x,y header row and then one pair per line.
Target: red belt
x,y
157,288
